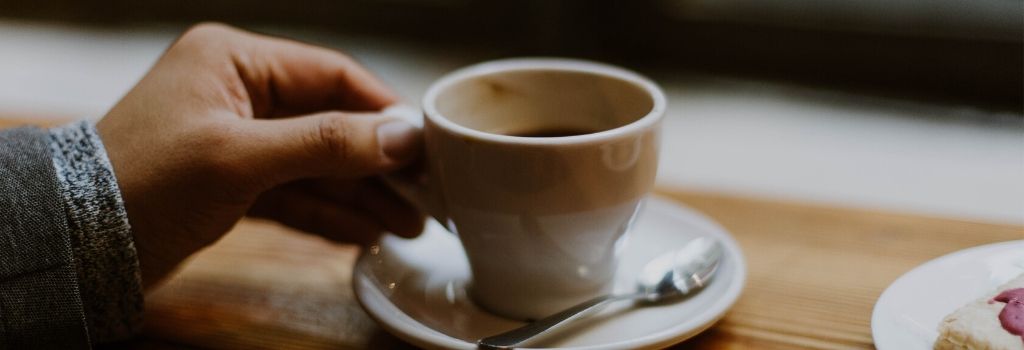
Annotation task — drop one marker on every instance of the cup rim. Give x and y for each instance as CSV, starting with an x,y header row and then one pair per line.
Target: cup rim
x,y
544,63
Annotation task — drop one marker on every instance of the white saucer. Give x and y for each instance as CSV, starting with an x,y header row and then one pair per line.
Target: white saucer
x,y
416,289
907,315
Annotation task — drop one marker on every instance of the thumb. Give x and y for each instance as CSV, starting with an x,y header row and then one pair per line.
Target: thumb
x,y
337,144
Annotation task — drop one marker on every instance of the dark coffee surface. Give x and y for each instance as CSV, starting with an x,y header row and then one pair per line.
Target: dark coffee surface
x,y
552,132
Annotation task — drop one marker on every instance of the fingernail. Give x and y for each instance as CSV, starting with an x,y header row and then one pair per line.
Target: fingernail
x,y
397,139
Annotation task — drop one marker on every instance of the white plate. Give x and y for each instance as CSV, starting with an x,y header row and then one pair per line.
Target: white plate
x,y
907,315
416,289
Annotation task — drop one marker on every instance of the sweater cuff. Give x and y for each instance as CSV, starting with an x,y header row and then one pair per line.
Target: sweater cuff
x,y
103,250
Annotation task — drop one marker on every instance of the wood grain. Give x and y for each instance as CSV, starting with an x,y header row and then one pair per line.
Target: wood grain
x,y
815,272
814,275
265,286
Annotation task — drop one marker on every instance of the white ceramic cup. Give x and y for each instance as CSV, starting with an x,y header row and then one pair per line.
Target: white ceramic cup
x,y
542,219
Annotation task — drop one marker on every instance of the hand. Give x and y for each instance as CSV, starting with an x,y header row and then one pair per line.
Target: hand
x,y
228,123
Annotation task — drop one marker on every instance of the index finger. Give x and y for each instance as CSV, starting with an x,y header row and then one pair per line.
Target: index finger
x,y
286,77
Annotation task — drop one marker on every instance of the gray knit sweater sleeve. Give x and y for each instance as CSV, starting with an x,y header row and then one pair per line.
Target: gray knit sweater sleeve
x,y
40,305
105,258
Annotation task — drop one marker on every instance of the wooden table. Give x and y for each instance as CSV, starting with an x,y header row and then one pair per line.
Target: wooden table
x,y
814,275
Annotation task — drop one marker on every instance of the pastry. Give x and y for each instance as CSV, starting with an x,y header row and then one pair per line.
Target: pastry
x,y
995,322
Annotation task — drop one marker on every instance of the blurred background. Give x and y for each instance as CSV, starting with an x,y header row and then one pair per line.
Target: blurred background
x,y
904,105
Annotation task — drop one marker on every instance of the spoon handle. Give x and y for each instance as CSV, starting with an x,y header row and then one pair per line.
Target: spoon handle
x,y
514,337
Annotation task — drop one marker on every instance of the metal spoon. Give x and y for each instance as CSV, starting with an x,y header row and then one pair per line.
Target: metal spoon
x,y
668,276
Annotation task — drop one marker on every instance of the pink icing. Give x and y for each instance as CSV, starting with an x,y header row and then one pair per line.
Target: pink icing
x,y
1012,316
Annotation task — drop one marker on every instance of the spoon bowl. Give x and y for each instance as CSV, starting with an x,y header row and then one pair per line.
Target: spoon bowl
x,y
680,272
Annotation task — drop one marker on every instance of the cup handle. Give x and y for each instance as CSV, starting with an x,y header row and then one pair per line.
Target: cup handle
x,y
410,186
